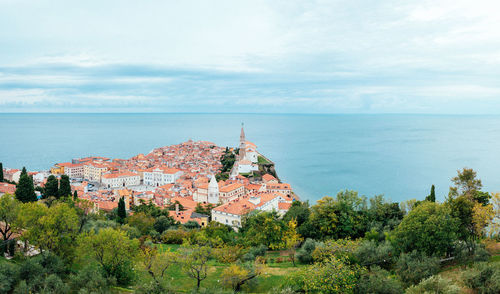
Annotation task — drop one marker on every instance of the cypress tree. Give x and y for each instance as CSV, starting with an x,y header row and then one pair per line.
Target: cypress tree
x,y
75,196
51,187
25,191
1,172
122,213
432,196
64,186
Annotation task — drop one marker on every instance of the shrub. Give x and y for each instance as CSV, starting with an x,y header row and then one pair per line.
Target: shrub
x,y
484,278
228,254
434,284
304,254
339,248
466,252
89,280
370,253
174,236
279,260
248,257
378,281
415,266
261,260
333,275
9,275
259,250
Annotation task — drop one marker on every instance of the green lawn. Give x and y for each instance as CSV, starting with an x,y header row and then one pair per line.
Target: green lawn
x,y
262,160
275,275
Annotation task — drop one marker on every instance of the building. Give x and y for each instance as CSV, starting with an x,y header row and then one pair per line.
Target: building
x,y
230,192
161,176
94,171
72,170
208,192
6,188
232,212
279,187
123,179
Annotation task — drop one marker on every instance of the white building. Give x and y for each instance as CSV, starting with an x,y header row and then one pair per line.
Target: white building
x,y
208,193
94,171
124,179
161,176
72,170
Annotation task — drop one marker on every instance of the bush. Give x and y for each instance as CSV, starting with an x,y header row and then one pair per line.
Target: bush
x,y
174,236
228,254
434,284
470,252
304,254
339,248
89,280
259,250
248,257
370,253
9,275
484,278
378,281
415,266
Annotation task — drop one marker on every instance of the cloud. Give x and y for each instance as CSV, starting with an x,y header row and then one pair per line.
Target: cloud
x,y
250,56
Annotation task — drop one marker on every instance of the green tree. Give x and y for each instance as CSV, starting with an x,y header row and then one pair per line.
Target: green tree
x,y
9,211
291,239
428,228
51,187
235,276
144,223
263,228
432,196
1,172
156,263
194,262
75,195
25,191
53,229
300,212
113,251
462,209
324,216
162,223
122,213
64,187
466,183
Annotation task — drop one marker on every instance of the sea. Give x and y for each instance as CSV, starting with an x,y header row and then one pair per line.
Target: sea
x,y
399,156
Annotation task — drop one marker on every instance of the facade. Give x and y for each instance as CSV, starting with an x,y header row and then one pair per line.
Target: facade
x,y
207,193
72,170
93,171
161,176
125,179
231,213
230,192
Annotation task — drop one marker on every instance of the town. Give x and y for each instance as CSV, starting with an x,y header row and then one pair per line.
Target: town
x,y
182,177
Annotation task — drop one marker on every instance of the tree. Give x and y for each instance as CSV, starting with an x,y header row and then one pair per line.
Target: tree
x,y
51,187
156,263
291,238
9,210
204,209
466,183
235,276
75,195
432,196
113,251
300,212
462,209
263,228
482,216
428,228
1,172
144,223
324,216
122,212
162,223
53,229
194,262
25,191
64,187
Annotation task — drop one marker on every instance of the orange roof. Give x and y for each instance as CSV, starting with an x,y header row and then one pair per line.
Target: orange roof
x,y
7,188
284,206
186,202
119,175
268,177
230,187
282,186
69,164
239,206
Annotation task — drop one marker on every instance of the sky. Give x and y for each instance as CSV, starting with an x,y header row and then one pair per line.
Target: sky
x,y
250,56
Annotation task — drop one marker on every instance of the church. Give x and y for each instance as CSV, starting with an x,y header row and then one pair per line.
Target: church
x,y
247,159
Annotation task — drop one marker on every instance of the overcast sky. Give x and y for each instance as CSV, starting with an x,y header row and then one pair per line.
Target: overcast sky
x,y
250,56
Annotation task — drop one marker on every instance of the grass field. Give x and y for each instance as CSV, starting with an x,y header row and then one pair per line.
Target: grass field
x,y
275,275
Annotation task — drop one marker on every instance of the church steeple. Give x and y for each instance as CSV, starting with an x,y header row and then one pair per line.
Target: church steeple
x,y
242,135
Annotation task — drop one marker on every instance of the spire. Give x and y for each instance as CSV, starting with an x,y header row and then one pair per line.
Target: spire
x,y
242,135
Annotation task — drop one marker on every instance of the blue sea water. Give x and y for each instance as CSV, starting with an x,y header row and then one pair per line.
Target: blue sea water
x,y
399,156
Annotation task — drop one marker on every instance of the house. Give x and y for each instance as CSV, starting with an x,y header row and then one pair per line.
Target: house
x,y
6,188
122,179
